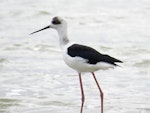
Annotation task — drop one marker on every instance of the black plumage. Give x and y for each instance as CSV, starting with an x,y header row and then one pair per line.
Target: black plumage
x,y
91,55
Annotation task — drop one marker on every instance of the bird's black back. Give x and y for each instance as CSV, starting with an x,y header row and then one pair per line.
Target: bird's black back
x,y
91,55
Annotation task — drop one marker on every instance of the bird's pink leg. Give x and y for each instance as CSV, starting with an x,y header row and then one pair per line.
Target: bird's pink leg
x,y
101,92
82,92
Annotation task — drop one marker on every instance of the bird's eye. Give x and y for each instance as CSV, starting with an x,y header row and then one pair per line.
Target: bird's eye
x,y
55,22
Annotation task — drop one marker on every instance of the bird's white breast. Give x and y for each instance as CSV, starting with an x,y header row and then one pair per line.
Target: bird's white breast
x,y
80,64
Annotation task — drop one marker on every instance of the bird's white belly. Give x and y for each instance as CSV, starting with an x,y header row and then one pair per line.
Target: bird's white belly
x,y
80,65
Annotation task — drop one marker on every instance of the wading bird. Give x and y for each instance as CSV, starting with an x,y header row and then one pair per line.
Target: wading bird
x,y
80,57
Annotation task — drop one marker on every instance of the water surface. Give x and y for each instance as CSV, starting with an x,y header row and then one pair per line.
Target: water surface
x,y
33,76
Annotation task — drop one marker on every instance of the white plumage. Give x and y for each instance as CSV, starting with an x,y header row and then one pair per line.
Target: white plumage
x,y
80,64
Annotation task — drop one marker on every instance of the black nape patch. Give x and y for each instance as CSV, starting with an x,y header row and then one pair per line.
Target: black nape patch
x,y
91,55
56,21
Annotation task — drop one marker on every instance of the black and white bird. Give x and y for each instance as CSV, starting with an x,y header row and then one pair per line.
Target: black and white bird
x,y
80,57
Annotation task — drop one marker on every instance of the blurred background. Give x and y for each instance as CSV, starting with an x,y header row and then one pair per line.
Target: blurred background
x,y
33,76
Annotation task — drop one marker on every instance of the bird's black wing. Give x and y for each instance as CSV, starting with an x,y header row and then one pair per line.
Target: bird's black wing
x,y
90,54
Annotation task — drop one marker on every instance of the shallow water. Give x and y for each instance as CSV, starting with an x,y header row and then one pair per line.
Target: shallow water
x,y
33,76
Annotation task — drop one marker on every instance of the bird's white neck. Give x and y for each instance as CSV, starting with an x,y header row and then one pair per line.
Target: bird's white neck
x,y
63,37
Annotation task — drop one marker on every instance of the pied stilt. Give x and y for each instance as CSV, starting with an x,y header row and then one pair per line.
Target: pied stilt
x,y
80,57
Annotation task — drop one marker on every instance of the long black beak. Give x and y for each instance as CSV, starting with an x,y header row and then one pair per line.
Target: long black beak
x,y
41,29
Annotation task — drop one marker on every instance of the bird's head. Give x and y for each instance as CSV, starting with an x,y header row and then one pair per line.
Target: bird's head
x,y
57,23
